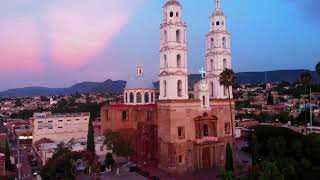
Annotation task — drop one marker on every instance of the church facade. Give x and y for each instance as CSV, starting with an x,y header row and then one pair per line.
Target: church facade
x,y
176,133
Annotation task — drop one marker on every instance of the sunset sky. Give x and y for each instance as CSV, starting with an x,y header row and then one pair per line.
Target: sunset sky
x,y
56,43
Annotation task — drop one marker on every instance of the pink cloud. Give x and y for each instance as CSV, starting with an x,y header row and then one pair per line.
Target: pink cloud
x,y
19,45
79,30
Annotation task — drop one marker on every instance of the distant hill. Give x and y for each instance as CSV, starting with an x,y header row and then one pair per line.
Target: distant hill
x,y
110,86
107,86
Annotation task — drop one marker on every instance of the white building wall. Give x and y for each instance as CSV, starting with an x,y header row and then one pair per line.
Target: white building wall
x,y
60,128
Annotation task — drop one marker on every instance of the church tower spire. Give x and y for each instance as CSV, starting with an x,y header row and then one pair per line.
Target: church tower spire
x,y
173,53
218,52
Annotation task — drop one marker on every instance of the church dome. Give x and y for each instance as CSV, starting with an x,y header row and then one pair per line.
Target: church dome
x,y
218,13
172,2
139,82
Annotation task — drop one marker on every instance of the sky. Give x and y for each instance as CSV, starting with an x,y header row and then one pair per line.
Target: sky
x,y
57,43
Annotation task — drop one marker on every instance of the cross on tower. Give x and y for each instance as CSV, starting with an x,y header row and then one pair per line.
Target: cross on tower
x,y
202,72
218,4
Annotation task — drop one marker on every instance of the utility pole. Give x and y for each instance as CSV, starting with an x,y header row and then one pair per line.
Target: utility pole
x,y
19,165
310,111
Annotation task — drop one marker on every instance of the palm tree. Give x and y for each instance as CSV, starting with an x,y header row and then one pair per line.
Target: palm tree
x,y
305,80
228,79
318,68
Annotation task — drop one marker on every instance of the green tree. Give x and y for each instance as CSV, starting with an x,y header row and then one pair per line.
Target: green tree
x,y
270,100
109,160
228,79
229,158
255,150
117,143
90,138
276,147
305,80
61,150
8,164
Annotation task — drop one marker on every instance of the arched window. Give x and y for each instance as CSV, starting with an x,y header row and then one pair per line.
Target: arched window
x,y
224,42
178,36
152,98
126,98
164,88
225,64
146,97
165,36
179,88
217,23
211,89
139,97
205,130
131,98
179,65
211,43
204,100
177,14
165,61
211,65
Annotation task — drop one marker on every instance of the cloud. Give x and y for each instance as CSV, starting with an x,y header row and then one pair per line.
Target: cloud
x,y
19,45
79,30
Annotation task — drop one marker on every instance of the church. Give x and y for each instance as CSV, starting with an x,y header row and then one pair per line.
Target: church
x,y
175,131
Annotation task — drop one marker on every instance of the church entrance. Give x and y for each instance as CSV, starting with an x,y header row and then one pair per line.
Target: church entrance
x,y
206,158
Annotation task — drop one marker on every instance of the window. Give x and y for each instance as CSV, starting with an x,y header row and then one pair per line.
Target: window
x,y
60,120
211,88
40,122
204,100
152,98
165,88
101,148
227,128
107,115
50,127
211,65
85,119
139,97
124,115
69,120
60,127
146,97
179,61
77,119
171,14
49,121
181,133
165,61
131,97
224,43
217,23
225,65
178,34
180,159
211,43
177,14
126,98
179,88
205,130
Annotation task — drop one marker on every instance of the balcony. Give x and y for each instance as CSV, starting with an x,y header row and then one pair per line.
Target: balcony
x,y
207,139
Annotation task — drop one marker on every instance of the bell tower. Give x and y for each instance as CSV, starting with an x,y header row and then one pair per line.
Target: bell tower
x,y
218,52
173,76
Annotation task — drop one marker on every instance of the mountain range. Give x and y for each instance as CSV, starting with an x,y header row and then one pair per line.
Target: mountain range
x,y
110,86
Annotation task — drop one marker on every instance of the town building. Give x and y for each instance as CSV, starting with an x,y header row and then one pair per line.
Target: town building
x,y
46,150
60,127
178,133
